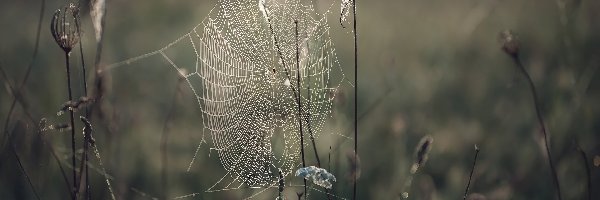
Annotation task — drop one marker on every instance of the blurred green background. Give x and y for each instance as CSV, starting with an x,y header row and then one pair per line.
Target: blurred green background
x,y
426,67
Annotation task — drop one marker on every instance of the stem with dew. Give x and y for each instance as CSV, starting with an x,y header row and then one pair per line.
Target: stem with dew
x,y
299,103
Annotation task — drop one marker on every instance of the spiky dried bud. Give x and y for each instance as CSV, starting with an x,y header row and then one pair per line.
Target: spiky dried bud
x,y
422,152
64,27
510,43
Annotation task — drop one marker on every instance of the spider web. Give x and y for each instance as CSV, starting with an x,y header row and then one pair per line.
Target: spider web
x,y
244,78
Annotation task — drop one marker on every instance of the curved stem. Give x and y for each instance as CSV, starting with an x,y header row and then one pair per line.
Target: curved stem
x,y
587,171
540,121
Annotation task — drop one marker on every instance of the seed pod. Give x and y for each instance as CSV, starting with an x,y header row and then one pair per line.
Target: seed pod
x,y
422,152
510,43
64,27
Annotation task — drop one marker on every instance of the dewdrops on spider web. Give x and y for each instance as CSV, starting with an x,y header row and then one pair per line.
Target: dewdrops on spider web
x,y
318,176
345,7
246,87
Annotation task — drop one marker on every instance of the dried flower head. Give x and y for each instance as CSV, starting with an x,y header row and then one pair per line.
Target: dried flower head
x,y
421,153
510,43
64,27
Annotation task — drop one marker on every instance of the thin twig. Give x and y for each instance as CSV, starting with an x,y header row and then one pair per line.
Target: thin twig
x,y
72,123
540,118
24,172
62,170
27,72
88,189
587,171
299,103
296,94
355,95
165,138
472,170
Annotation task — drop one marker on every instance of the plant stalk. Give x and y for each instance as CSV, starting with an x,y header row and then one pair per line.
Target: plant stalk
x,y
472,170
540,118
72,123
298,101
355,97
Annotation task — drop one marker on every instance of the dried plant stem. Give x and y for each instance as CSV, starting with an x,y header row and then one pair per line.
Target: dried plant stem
x,y
16,93
164,140
298,101
540,118
587,171
296,94
72,123
472,170
355,95
62,170
88,189
24,172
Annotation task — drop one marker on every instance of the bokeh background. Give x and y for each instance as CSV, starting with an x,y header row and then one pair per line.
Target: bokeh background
x,y
426,67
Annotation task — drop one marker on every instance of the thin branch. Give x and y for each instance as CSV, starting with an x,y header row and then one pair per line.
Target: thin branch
x,y
587,171
540,118
88,188
62,170
72,123
299,103
24,172
472,170
16,93
295,93
165,138
355,94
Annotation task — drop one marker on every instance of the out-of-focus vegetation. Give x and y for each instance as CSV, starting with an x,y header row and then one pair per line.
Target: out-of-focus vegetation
x,y
425,68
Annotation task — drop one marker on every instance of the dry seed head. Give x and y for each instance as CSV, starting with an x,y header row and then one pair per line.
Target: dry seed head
x,y
510,43
64,27
422,151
